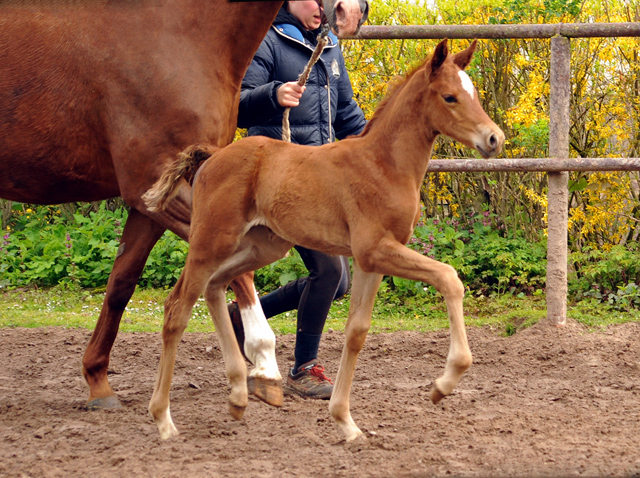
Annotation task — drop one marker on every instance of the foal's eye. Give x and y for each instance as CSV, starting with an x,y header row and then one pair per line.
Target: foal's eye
x,y
450,99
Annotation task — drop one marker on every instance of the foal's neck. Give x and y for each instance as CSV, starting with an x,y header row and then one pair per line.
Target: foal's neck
x,y
401,132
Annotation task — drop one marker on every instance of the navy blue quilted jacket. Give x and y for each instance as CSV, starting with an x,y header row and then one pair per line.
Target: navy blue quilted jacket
x,y
327,104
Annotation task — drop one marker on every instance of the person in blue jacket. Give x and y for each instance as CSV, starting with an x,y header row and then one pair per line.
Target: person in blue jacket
x,y
321,112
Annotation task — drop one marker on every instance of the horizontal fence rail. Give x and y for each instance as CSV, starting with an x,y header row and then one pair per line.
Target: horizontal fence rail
x,y
494,32
534,164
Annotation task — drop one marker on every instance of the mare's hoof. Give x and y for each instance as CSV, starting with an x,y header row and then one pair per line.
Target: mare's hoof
x,y
435,395
267,390
104,403
236,411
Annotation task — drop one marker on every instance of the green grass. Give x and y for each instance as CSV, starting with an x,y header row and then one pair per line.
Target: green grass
x,y
506,314
68,308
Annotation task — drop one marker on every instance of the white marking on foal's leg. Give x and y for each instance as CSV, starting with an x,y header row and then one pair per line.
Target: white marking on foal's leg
x,y
259,342
467,84
165,424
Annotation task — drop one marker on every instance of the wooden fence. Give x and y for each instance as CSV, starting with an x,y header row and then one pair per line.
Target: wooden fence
x,y
559,163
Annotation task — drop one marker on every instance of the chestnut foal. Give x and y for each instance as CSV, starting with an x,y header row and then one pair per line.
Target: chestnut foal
x,y
255,199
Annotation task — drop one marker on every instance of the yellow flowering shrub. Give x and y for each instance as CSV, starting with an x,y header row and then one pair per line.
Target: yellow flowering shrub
x,y
512,77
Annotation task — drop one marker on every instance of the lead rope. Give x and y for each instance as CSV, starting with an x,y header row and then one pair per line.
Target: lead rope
x,y
304,76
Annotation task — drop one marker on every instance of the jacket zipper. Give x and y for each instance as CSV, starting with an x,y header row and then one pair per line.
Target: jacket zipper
x,y
328,101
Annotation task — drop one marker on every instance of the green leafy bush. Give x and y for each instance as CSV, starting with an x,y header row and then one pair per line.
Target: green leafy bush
x,y
607,275
44,247
486,258
506,264
280,272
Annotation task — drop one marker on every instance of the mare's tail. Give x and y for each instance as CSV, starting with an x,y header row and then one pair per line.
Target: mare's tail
x,y
185,167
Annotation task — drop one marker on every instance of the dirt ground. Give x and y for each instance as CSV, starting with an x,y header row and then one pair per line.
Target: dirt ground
x,y
544,402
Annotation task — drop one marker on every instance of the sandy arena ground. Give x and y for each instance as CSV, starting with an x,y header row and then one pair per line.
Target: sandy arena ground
x,y
544,402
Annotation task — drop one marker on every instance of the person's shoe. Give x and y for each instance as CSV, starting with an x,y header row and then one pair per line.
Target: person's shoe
x,y
309,382
236,322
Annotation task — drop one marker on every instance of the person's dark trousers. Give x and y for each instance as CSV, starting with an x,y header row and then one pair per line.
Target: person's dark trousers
x,y
327,281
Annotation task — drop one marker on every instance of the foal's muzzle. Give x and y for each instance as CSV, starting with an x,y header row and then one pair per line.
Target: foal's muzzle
x,y
491,143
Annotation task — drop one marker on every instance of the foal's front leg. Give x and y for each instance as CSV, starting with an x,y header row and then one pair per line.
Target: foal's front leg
x,y
393,258
363,294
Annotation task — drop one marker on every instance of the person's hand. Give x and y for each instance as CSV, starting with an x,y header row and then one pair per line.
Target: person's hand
x,y
289,94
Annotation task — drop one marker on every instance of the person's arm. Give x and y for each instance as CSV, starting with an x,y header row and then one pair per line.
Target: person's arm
x,y
258,96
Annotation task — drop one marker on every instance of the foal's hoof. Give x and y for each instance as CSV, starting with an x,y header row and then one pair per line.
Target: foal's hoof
x,y
236,411
110,402
435,395
267,390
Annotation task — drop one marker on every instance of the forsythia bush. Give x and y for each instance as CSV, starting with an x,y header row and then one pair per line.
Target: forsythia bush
x,y
512,77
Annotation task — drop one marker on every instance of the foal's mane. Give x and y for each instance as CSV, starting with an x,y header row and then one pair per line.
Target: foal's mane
x,y
394,89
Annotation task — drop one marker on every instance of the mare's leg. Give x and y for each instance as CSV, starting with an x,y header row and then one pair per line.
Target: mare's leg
x,y
138,238
363,293
177,310
393,258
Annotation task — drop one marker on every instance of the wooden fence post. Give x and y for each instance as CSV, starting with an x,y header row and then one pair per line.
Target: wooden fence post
x,y
558,182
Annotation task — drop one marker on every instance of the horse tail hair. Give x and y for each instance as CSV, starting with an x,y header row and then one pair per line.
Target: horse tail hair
x,y
185,167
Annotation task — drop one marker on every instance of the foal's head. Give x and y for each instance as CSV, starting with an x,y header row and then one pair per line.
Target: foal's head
x,y
453,105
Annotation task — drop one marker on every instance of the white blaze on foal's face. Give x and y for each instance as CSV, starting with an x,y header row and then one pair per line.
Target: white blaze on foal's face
x,y
467,84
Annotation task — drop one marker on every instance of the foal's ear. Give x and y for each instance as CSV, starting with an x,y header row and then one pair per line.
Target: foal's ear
x,y
463,58
439,56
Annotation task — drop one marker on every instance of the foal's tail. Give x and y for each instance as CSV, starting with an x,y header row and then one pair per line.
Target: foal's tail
x,y
166,188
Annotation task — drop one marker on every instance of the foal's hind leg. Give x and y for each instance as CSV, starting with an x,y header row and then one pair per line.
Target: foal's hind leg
x,y
177,310
235,368
257,346
363,294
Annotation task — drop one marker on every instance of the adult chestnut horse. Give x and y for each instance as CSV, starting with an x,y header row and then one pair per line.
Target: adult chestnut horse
x,y
98,96
359,197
